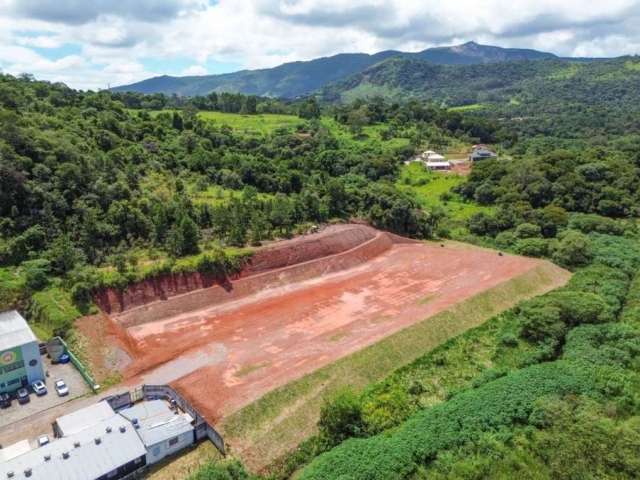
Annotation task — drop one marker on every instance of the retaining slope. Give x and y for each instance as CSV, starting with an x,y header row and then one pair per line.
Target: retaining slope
x,y
337,248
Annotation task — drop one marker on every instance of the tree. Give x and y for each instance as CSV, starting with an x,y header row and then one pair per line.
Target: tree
x,y
183,237
341,418
309,109
574,250
63,255
176,121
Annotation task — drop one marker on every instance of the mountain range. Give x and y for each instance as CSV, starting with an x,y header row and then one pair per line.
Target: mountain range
x,y
296,79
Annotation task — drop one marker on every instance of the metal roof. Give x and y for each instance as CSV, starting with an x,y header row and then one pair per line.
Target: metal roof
x,y
77,421
14,331
15,450
91,453
157,422
435,157
438,164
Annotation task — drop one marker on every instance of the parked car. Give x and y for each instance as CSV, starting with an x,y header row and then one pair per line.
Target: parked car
x,y
61,388
39,388
23,396
43,440
5,400
64,358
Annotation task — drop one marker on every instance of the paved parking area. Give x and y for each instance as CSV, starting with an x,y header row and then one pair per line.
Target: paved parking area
x,y
67,372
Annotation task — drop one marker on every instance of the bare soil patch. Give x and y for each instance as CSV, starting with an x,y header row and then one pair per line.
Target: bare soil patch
x,y
307,315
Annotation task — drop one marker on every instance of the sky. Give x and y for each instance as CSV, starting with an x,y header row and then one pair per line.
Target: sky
x,y
94,44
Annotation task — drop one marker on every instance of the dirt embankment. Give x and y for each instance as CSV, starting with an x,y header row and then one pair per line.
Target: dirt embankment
x,y
336,248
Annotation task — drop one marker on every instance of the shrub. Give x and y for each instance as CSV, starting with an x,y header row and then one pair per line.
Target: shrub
x,y
528,230
341,417
506,239
386,410
36,274
588,223
574,250
532,247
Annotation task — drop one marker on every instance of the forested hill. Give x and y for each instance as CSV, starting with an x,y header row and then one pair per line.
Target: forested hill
x,y
603,95
295,79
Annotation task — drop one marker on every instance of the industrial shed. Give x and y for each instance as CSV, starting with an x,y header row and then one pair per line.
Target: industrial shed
x,y
106,449
163,430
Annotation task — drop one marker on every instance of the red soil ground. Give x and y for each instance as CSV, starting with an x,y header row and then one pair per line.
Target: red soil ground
x,y
227,354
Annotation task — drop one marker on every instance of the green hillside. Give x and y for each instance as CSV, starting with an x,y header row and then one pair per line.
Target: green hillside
x,y
295,79
540,96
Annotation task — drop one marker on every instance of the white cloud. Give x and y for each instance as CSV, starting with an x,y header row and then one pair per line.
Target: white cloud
x,y
116,37
194,70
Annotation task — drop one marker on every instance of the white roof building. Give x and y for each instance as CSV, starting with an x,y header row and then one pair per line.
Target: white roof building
x,y
77,421
435,157
162,429
108,447
14,331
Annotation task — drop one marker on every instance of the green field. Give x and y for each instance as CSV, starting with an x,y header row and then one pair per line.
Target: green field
x,y
371,136
468,108
433,189
248,124
253,124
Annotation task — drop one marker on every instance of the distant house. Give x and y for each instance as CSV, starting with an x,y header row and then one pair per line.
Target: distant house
x,y
482,154
438,165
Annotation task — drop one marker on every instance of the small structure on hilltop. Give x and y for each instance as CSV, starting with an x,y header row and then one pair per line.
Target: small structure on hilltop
x,y
20,362
435,165
481,152
431,160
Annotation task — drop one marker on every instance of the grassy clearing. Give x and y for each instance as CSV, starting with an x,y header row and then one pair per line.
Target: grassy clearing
x,y
12,287
50,310
566,73
267,429
253,124
258,124
468,108
632,65
433,189
371,136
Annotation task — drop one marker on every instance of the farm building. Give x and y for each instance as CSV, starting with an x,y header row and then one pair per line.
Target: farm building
x,y
20,362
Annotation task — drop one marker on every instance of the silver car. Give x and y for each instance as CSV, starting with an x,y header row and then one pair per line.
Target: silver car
x,y
39,388
61,388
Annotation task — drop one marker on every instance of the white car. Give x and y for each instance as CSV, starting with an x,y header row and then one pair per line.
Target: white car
x,y
39,388
61,388
43,440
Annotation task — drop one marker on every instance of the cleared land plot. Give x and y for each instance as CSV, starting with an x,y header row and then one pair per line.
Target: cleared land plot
x,y
250,346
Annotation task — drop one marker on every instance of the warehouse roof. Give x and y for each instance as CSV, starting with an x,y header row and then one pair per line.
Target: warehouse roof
x,y
77,421
157,421
14,331
88,454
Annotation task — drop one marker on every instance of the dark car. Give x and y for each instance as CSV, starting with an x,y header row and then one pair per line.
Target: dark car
x,y
5,400
23,396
